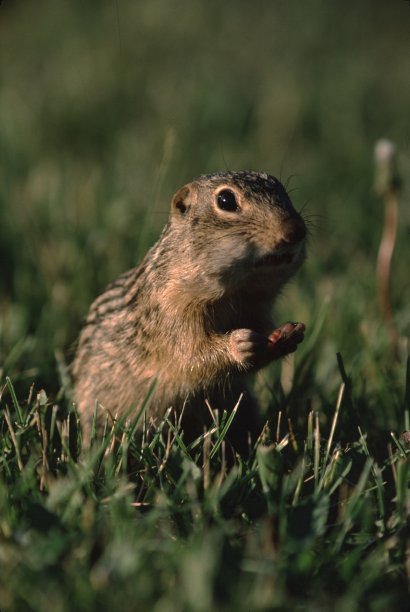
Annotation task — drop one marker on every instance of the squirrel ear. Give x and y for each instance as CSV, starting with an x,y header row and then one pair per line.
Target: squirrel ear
x,y
180,201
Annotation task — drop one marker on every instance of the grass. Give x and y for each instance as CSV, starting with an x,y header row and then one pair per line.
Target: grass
x,y
101,120
305,522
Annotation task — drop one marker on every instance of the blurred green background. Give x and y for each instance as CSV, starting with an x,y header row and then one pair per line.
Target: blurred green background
x,y
107,108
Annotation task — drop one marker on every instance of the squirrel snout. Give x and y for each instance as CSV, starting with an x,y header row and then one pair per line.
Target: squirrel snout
x,y
293,231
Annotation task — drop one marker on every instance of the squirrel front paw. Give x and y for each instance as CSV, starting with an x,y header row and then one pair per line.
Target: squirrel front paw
x,y
285,339
248,347
251,349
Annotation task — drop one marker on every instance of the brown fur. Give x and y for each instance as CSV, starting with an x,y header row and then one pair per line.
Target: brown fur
x,y
196,314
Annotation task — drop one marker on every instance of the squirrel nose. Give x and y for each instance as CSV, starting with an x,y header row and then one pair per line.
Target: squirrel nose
x,y
294,231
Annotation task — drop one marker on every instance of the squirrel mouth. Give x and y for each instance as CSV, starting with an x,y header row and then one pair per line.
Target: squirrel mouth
x,y
275,259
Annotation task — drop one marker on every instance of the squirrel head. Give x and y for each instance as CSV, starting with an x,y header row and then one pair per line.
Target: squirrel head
x,y
238,229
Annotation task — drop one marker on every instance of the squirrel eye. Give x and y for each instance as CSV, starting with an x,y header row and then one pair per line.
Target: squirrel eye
x,y
226,201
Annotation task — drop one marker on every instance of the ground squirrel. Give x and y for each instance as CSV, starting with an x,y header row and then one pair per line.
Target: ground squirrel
x,y
195,315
